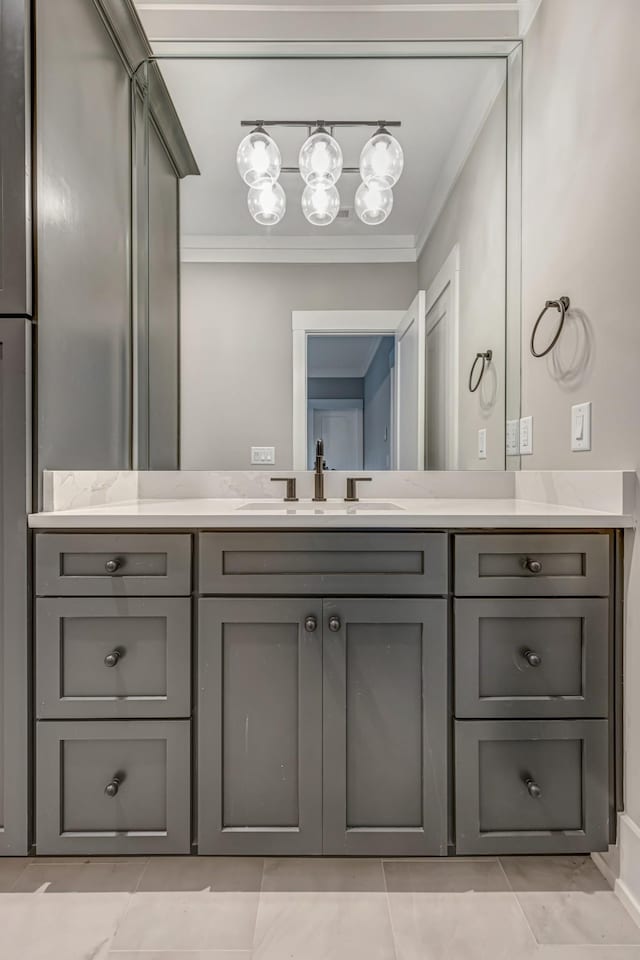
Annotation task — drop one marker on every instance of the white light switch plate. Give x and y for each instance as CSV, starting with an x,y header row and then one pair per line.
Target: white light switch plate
x,y
482,444
581,426
513,438
263,455
526,435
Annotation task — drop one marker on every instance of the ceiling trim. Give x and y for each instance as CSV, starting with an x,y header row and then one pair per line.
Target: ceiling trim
x,y
268,249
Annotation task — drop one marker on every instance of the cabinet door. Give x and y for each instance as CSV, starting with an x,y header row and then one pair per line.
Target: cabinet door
x,y
386,728
260,726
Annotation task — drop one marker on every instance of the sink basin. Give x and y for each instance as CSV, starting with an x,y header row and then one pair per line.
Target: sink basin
x,y
330,506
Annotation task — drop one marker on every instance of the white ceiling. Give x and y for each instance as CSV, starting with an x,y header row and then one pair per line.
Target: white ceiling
x,y
442,104
340,356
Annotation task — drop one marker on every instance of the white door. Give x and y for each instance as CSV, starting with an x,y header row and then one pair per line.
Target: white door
x,y
437,388
341,431
410,387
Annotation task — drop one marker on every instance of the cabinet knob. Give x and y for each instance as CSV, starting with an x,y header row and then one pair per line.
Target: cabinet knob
x,y
311,624
112,787
533,566
534,789
112,658
533,659
334,624
112,565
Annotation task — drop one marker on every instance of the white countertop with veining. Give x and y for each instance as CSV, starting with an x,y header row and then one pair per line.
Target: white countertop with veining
x,y
394,513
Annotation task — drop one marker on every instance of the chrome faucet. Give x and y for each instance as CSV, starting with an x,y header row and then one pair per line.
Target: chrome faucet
x,y
318,477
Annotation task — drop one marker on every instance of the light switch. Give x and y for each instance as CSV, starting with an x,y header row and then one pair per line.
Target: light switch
x,y
482,444
581,426
263,455
526,435
513,438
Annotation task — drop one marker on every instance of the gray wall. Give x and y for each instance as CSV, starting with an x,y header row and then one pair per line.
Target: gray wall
x,y
335,388
83,221
475,218
236,354
581,237
377,409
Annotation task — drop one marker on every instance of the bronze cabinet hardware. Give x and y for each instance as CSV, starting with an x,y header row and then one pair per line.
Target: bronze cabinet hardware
x,y
533,566
334,624
486,359
111,566
562,305
112,658
532,658
291,488
311,624
352,488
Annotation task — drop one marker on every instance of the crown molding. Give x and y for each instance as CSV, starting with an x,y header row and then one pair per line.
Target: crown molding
x,y
201,248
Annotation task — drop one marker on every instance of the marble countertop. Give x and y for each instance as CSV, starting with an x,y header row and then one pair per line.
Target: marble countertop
x,y
425,513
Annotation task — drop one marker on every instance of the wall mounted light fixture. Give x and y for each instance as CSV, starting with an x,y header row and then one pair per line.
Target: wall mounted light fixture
x,y
320,164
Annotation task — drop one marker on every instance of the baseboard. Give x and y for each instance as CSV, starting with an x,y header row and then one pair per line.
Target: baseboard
x,y
627,900
627,885
605,869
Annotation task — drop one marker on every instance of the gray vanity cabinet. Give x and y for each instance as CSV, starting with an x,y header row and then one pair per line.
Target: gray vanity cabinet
x,y
385,730
260,726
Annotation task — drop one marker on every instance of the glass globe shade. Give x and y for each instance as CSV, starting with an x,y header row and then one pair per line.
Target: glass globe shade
x,y
382,158
267,203
320,159
258,158
373,202
320,204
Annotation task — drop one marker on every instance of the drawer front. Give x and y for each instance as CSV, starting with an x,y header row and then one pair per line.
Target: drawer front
x,y
113,564
323,563
538,786
112,659
532,565
113,787
531,658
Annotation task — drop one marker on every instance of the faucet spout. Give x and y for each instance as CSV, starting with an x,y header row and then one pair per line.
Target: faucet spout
x,y
318,477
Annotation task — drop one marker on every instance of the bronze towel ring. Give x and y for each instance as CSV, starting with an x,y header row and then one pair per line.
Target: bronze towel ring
x,y
562,305
486,360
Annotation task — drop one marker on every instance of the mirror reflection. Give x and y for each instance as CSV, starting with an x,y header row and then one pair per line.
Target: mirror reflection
x,y
343,263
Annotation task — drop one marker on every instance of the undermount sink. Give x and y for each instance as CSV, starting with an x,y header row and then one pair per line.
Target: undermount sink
x,y
264,506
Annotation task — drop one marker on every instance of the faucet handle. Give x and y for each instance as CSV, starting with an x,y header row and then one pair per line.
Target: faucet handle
x,y
291,488
352,489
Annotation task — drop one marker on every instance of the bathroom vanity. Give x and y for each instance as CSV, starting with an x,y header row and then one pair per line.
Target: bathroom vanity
x,y
257,685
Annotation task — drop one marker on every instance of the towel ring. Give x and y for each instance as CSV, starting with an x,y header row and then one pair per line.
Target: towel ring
x,y
486,360
562,305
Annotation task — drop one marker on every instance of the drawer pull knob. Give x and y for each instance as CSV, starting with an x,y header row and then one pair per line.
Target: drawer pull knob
x,y
533,659
533,566
534,789
112,787
311,624
111,566
334,624
112,658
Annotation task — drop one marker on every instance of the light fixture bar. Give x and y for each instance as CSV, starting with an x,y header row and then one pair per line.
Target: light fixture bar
x,y
297,169
320,123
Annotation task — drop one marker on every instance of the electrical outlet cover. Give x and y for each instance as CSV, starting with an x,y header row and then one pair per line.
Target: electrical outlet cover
x,y
526,435
513,438
581,427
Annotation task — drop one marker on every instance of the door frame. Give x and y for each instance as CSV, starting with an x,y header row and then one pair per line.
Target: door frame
x,y
306,323
448,276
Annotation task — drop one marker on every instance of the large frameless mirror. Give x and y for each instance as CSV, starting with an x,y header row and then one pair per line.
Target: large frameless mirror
x,y
348,264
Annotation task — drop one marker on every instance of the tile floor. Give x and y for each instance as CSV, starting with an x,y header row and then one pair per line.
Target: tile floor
x,y
514,908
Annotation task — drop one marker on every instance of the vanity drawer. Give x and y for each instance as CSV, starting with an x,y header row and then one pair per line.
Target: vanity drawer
x,y
113,787
386,564
534,565
108,658
531,786
113,564
531,658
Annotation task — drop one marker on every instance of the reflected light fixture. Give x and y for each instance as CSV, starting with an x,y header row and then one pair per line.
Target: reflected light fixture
x,y
258,157
320,158
382,158
320,164
320,203
267,202
373,202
